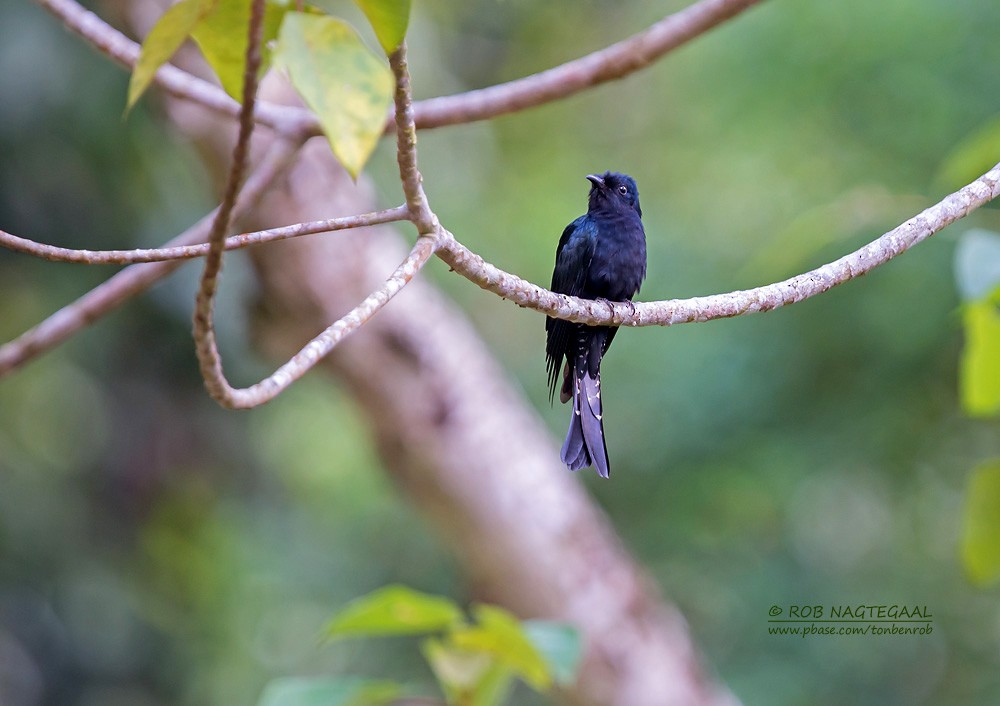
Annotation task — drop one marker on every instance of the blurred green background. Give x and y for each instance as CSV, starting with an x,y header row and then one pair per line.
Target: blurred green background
x,y
155,549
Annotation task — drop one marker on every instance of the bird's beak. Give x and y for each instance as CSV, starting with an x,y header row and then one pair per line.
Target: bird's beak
x,y
595,180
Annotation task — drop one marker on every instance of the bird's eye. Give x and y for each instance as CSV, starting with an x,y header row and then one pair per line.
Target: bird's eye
x,y
623,190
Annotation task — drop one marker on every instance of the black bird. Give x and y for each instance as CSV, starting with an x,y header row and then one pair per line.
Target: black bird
x,y
601,255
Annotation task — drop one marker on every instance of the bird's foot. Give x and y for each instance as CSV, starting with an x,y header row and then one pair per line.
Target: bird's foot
x,y
608,303
631,308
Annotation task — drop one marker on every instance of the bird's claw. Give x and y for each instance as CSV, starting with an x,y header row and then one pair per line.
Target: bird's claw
x,y
631,308
611,306
608,303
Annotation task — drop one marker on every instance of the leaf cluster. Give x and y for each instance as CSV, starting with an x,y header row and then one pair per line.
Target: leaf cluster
x,y
475,662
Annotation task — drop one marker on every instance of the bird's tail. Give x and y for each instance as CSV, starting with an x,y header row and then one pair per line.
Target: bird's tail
x,y
584,445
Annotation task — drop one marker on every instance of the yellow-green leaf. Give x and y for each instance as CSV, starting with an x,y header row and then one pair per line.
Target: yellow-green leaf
x,y
981,533
340,79
389,19
394,610
499,633
222,37
163,40
979,373
466,677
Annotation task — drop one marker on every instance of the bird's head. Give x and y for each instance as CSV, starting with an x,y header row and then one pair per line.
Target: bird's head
x,y
613,190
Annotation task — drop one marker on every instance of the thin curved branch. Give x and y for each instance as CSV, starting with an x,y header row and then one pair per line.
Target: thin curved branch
x,y
188,252
314,351
137,278
614,62
406,148
206,348
718,306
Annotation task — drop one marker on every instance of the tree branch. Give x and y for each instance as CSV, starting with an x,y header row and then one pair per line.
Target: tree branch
x,y
406,148
614,62
137,278
719,306
188,252
206,349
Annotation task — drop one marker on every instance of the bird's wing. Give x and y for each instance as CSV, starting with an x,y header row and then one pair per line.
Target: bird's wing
x,y
576,248
573,255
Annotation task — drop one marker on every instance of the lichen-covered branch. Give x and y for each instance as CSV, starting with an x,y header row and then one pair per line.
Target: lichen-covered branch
x,y
718,306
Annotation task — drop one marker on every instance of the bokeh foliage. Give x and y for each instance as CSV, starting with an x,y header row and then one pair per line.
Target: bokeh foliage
x,y
155,549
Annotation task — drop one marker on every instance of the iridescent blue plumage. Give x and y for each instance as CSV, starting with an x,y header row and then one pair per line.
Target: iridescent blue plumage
x,y
601,255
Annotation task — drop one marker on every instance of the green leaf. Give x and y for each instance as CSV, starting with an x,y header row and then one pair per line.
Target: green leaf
x,y
559,644
394,610
340,79
468,678
981,533
979,371
499,633
222,37
163,40
977,263
328,691
389,19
